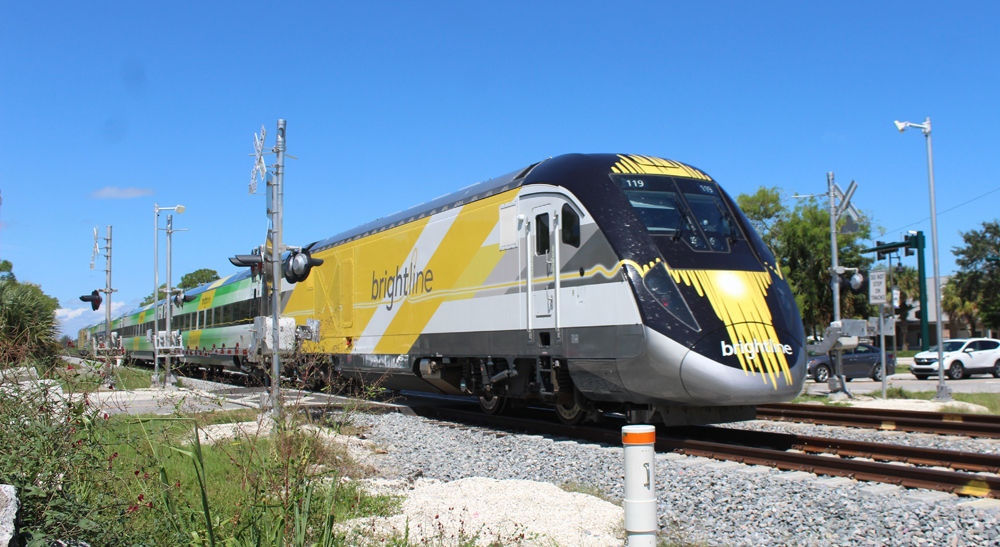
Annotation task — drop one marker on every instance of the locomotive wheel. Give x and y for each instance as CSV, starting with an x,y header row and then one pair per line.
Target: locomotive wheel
x,y
570,414
492,404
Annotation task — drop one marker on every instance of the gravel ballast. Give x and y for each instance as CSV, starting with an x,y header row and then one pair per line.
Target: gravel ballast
x,y
700,501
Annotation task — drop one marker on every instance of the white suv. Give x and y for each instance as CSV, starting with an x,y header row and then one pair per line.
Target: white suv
x,y
962,359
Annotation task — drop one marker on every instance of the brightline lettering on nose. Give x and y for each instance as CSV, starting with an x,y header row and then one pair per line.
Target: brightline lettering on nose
x,y
751,349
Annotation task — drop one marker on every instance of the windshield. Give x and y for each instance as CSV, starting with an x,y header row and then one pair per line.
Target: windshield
x,y
949,345
688,210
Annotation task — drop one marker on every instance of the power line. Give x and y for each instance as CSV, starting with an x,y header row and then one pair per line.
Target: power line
x,y
941,213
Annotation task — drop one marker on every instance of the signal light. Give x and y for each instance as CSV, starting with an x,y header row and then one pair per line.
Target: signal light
x,y
859,282
298,264
881,254
182,298
94,298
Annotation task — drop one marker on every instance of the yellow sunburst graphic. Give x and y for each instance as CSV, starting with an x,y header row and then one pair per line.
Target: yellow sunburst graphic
x,y
647,165
740,301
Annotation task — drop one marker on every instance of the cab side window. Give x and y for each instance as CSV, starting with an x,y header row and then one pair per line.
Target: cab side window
x,y
570,227
989,344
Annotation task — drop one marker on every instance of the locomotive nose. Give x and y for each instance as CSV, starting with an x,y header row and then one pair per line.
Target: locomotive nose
x,y
744,364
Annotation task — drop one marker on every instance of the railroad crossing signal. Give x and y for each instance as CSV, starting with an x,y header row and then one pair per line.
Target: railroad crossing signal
x,y
259,168
94,298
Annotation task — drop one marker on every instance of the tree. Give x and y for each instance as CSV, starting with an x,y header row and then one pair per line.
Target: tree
x,y
28,326
799,239
197,278
978,279
958,308
765,212
7,270
188,281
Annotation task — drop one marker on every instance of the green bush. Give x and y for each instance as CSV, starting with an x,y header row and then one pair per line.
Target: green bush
x,y
28,327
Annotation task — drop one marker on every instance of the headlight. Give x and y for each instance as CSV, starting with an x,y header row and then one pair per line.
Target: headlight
x,y
659,284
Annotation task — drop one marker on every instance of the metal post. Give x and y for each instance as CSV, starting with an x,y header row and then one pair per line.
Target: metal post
x,y
107,290
276,249
881,329
156,295
641,523
166,359
922,275
943,392
839,362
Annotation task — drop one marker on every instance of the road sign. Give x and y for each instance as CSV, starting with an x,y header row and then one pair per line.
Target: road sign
x,y
876,287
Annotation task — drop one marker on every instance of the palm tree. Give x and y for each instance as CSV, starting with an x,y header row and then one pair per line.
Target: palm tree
x,y
957,308
909,285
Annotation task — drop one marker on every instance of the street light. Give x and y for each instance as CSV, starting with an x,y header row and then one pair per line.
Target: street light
x,y
943,393
179,209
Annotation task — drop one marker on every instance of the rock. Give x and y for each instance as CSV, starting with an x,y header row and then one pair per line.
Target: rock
x,y
8,510
18,374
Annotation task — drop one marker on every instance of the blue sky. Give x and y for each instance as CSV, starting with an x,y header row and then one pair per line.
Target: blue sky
x,y
108,108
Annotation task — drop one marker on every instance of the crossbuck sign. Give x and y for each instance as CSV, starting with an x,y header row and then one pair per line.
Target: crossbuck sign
x,y
877,288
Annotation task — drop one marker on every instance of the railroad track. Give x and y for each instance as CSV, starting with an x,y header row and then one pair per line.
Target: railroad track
x,y
786,452
938,423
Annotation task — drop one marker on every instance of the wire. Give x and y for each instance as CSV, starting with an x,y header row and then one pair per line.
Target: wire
x,y
941,213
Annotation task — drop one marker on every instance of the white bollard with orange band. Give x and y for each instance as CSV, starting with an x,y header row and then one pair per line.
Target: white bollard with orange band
x,y
640,485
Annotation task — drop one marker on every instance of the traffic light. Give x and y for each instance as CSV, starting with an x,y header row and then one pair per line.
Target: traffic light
x,y
881,254
911,242
94,298
298,264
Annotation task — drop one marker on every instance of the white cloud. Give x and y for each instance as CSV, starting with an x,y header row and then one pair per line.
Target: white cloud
x,y
71,320
114,192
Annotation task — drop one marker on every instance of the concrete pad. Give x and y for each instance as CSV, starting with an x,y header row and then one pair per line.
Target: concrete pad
x,y
754,470
695,460
723,465
834,482
928,496
670,456
982,503
795,476
880,489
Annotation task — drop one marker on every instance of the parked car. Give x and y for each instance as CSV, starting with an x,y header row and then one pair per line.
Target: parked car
x,y
962,358
864,361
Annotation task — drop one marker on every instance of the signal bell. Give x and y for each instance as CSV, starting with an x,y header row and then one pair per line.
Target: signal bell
x,y
858,282
94,298
298,264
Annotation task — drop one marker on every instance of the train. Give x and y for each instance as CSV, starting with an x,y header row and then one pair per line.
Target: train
x,y
589,283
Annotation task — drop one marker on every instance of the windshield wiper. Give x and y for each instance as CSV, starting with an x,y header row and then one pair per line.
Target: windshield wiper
x,y
733,231
681,222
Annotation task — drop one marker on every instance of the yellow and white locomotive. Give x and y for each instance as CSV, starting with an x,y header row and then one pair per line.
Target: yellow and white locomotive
x,y
586,282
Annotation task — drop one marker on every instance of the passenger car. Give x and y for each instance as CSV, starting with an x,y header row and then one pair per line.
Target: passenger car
x,y
863,361
962,358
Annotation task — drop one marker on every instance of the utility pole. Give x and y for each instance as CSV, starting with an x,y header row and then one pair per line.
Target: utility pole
x,y
277,192
108,290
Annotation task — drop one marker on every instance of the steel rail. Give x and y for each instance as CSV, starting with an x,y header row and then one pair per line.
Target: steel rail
x,y
931,457
939,423
903,475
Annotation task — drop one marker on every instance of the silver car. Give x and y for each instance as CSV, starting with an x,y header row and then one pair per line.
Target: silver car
x,y
962,358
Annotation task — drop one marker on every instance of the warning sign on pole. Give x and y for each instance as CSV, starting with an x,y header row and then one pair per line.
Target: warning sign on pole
x,y
876,287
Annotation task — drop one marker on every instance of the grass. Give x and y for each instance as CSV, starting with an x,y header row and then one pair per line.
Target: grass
x,y
589,489
991,401
87,377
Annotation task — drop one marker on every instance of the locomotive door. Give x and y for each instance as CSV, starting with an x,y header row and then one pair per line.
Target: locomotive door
x,y
541,252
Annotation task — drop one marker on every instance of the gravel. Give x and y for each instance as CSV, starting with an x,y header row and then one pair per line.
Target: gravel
x,y
700,501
